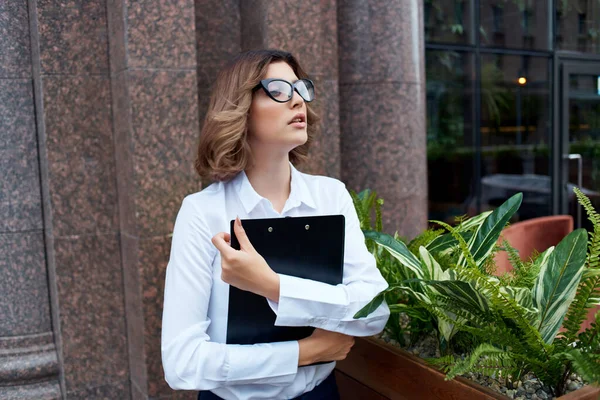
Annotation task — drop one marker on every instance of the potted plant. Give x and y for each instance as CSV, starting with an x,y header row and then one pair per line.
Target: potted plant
x,y
443,281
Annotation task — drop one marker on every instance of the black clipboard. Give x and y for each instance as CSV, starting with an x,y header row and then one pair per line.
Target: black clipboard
x,y
305,247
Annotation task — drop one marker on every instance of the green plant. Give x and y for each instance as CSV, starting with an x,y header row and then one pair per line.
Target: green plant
x,y
516,318
410,271
402,304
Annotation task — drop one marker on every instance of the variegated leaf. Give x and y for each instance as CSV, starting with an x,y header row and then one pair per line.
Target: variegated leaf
x,y
446,242
486,236
523,297
431,268
371,306
397,249
447,328
433,271
557,282
377,300
543,258
475,221
462,292
420,297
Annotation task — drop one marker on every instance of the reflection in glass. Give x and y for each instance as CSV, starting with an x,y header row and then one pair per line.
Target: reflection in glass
x,y
449,143
578,25
515,133
447,21
584,139
519,24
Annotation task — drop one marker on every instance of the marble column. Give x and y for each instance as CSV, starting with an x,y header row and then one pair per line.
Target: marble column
x,y
382,107
79,185
29,367
218,40
308,30
155,119
62,319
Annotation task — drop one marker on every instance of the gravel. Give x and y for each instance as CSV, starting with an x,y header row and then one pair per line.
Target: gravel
x,y
528,388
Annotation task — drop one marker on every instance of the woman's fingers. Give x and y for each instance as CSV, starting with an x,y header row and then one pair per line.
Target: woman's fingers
x,y
241,236
221,241
227,237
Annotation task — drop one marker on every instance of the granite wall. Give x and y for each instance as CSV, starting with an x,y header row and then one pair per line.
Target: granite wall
x,y
29,360
382,106
155,120
101,103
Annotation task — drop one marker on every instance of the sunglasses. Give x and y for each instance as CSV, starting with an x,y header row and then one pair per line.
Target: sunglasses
x,y
282,91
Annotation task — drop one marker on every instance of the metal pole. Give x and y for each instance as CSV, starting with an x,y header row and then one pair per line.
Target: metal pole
x,y
579,182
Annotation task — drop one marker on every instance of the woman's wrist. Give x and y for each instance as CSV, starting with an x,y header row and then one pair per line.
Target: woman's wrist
x,y
307,354
270,287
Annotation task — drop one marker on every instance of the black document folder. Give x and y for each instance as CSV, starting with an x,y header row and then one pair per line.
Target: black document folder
x,y
305,247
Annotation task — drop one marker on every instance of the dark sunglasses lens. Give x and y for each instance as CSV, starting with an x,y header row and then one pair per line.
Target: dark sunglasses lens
x,y
280,90
306,89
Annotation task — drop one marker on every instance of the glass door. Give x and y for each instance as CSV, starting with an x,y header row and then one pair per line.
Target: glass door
x,y
580,137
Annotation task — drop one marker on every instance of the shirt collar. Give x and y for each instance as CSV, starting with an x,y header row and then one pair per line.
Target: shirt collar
x,y
299,192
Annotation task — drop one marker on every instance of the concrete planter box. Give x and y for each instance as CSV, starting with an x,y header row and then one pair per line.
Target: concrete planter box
x,y
375,370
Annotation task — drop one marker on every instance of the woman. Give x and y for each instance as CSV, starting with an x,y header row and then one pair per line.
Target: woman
x,y
259,124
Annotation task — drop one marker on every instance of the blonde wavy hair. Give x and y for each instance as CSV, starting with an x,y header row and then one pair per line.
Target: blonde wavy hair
x,y
223,150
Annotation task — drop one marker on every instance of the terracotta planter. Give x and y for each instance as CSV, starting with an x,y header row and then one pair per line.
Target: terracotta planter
x,y
375,370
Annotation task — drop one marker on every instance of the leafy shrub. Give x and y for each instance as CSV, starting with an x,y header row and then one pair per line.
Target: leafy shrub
x,y
444,282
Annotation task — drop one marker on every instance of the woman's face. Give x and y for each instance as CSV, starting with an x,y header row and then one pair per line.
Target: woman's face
x,y
270,123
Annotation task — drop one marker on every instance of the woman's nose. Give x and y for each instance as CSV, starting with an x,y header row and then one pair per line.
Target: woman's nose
x,y
296,100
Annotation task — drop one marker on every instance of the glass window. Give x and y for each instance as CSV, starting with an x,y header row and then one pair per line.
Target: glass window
x,y
518,24
450,151
578,25
584,140
515,132
447,21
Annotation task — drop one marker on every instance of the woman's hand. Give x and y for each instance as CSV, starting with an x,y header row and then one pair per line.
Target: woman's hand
x,y
245,268
324,346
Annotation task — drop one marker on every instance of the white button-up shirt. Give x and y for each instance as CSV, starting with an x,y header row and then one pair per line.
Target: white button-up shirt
x,y
194,328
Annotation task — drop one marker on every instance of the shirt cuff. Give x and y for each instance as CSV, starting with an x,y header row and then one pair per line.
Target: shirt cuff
x,y
278,361
304,302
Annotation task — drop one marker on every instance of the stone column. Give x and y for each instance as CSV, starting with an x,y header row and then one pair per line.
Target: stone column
x,y
218,39
155,119
79,186
382,107
58,201
308,30
29,366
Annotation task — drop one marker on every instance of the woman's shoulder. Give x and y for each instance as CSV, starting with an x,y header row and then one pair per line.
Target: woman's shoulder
x,y
325,188
203,202
210,193
322,182
327,193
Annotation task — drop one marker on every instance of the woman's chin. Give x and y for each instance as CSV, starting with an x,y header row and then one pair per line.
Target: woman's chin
x,y
301,140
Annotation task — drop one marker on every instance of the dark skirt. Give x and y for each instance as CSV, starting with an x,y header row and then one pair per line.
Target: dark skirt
x,y
326,390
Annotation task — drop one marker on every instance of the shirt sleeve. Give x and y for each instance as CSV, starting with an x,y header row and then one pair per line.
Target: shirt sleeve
x,y
304,302
190,360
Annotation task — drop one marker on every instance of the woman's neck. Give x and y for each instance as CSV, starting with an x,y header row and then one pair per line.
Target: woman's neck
x,y
271,178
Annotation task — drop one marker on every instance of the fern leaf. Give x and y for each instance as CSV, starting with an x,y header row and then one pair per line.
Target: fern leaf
x,y
586,365
593,260
462,244
443,363
513,256
378,223
589,286
496,356
508,306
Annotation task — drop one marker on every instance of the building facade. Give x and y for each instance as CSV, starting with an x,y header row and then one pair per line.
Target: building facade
x,y
101,103
444,107
513,99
